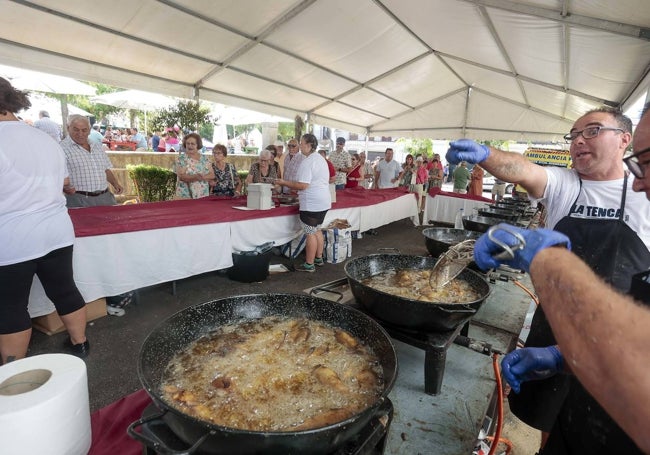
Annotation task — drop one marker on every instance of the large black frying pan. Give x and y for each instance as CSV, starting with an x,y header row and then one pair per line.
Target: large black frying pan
x,y
438,240
508,215
188,325
403,312
480,223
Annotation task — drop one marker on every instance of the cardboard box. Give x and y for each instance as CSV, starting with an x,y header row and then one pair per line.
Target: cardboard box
x,y
52,323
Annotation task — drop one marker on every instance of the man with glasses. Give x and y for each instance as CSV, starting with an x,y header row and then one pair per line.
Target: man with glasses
x,y
292,162
594,205
602,334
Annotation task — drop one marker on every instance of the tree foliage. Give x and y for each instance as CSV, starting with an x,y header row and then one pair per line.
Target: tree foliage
x,y
417,146
188,115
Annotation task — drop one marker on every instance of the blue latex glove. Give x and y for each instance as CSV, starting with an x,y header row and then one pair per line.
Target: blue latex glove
x,y
536,240
529,364
467,150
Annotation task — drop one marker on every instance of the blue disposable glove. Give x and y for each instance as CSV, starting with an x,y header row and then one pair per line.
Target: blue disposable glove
x,y
529,364
467,150
536,240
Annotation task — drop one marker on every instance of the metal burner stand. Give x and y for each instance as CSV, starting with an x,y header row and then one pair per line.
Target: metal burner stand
x,y
370,441
434,344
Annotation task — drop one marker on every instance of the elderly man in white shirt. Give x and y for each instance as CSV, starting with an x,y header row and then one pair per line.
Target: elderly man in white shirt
x,y
89,168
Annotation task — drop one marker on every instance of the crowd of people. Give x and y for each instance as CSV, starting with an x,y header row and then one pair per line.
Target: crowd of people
x,y
589,265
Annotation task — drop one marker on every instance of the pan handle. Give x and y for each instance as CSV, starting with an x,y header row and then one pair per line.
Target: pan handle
x,y
395,250
455,311
157,445
331,291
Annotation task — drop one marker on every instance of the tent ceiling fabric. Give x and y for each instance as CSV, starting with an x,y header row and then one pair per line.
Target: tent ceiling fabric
x,y
484,69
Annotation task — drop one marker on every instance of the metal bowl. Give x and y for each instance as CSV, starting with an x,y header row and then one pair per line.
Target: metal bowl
x,y
438,240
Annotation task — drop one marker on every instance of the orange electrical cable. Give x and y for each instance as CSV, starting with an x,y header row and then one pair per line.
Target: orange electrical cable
x,y
497,375
527,291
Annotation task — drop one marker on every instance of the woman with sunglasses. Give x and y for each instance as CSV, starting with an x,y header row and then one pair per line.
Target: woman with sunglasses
x,y
356,173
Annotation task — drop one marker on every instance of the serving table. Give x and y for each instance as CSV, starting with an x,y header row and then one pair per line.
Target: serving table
x,y
442,206
121,248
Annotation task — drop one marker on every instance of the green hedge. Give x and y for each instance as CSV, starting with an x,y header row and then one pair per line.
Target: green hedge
x,y
152,183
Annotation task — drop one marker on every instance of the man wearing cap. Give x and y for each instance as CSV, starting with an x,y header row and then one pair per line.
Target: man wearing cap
x,y
342,162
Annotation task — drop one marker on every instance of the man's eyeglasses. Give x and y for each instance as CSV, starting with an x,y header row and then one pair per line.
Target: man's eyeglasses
x,y
588,133
292,145
632,163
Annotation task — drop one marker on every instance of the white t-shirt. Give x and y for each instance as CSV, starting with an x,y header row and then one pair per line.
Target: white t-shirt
x,y
314,171
597,200
387,172
33,217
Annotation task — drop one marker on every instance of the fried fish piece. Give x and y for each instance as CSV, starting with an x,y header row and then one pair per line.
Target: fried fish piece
x,y
328,377
345,338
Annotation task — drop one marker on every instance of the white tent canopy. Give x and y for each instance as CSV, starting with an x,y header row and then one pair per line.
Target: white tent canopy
x,y
42,82
41,102
485,69
230,115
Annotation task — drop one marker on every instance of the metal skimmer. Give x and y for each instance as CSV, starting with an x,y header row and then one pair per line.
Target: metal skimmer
x,y
451,263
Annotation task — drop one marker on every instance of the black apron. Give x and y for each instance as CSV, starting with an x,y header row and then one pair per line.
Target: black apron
x,y
615,252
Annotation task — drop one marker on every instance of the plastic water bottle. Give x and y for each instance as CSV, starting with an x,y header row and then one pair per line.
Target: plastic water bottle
x,y
458,224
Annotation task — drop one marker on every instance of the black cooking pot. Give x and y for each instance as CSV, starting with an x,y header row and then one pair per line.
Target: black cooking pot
x,y
438,240
511,207
179,330
403,312
480,223
515,202
508,215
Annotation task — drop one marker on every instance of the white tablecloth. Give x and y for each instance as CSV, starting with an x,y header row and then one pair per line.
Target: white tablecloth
x,y
106,265
443,209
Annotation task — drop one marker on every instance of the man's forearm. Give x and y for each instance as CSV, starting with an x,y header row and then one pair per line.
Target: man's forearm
x,y
603,336
515,168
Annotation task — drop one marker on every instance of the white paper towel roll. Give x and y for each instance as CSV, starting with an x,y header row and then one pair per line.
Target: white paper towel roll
x,y
44,406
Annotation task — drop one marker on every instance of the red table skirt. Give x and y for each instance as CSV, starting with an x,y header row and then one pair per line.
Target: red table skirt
x,y
433,192
109,425
91,221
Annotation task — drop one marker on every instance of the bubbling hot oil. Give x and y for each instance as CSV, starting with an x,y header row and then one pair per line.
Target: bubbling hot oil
x,y
274,374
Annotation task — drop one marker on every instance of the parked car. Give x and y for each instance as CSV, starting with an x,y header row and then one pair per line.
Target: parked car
x,y
488,182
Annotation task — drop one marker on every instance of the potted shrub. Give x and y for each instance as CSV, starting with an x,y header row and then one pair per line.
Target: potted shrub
x,y
152,183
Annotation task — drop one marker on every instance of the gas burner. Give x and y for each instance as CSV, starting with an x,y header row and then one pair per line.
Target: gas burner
x,y
370,441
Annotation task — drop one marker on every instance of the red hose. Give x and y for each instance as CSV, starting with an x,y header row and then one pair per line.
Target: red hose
x,y
497,375
507,442
527,291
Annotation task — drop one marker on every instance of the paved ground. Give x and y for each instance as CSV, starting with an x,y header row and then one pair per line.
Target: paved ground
x,y
115,341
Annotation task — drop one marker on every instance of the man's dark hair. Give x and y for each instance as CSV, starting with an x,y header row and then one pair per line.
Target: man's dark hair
x,y
622,120
11,99
311,140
